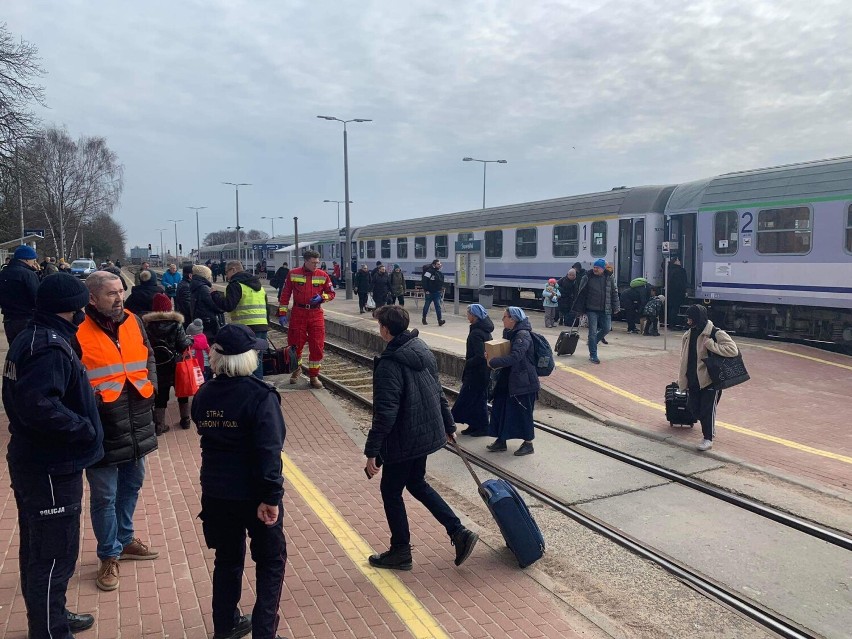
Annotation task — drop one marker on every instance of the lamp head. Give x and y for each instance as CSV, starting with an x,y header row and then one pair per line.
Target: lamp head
x,y
502,162
361,120
467,159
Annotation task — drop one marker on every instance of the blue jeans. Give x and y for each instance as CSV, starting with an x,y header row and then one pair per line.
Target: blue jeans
x,y
258,372
432,298
114,493
599,325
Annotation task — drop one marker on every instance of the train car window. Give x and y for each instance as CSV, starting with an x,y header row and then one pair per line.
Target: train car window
x,y
526,242
465,237
420,248
441,247
371,249
785,230
566,240
726,232
385,249
639,238
598,239
361,250
402,247
849,229
493,243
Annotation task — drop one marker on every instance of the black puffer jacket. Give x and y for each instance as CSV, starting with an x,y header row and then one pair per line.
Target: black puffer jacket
x,y
523,377
476,373
203,306
168,339
128,421
18,286
183,297
363,281
411,416
141,298
381,288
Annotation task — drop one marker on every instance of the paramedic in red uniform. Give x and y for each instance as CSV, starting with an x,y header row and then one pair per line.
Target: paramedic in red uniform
x,y
310,287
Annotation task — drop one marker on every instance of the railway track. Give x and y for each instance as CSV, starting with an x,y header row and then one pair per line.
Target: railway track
x,y
350,373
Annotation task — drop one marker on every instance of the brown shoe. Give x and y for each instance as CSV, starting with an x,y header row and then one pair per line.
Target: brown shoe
x,y
138,551
316,383
107,578
295,375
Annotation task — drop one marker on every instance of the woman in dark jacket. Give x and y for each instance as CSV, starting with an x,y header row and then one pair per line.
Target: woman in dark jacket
x,y
202,304
516,387
397,282
141,299
169,340
381,287
363,286
471,407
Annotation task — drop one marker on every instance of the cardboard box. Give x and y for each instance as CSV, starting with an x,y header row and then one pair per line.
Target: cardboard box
x,y
498,348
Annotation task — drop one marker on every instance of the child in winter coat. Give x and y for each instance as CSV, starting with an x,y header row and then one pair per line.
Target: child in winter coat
x,y
550,295
200,348
652,312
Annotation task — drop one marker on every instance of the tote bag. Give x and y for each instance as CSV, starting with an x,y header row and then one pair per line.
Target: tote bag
x,y
188,375
371,303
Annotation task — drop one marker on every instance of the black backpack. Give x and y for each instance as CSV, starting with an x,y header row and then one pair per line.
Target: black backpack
x,y
543,355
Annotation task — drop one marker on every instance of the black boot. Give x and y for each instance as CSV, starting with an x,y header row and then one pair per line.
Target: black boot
x,y
242,628
79,622
464,540
441,322
397,558
185,420
424,321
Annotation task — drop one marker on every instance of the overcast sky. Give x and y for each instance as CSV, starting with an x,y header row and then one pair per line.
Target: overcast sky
x,y
577,96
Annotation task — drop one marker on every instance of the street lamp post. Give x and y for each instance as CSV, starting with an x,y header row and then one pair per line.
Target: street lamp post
x,y
197,233
237,186
296,240
177,255
162,246
272,219
485,164
338,202
347,247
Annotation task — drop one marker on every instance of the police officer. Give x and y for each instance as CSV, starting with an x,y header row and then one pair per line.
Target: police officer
x,y
242,434
18,285
55,434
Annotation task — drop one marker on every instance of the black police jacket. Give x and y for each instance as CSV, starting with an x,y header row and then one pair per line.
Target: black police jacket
x,y
53,414
18,286
242,435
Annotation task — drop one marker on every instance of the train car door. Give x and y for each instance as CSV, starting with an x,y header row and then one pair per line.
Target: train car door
x,y
625,252
680,233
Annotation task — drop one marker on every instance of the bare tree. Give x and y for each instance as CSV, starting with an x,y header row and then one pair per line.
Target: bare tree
x,y
71,182
19,68
225,236
105,238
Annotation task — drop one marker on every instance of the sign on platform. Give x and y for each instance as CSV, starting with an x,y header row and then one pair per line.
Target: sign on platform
x,y
39,232
468,246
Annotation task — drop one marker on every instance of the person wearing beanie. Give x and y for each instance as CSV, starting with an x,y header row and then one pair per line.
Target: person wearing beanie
x,y
141,298
397,285
598,298
702,397
471,406
550,300
18,285
169,340
183,295
381,287
203,307
200,346
56,433
114,348
568,286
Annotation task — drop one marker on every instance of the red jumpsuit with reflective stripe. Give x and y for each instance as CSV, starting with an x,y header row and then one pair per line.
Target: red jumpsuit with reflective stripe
x,y
307,321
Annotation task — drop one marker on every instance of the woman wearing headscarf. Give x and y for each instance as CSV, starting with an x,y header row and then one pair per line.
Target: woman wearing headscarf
x,y
471,407
694,378
516,387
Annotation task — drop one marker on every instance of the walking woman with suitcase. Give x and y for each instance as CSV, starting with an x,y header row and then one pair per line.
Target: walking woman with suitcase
x,y
703,397
517,386
471,407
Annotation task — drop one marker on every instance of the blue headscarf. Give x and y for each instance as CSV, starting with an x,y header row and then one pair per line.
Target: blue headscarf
x,y
477,310
516,313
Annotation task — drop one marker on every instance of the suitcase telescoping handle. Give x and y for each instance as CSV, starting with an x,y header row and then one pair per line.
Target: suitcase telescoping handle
x,y
467,463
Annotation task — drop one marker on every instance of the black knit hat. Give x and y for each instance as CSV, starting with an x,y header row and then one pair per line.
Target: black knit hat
x,y
61,293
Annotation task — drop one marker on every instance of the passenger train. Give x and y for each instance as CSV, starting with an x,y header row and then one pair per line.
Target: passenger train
x,y
769,251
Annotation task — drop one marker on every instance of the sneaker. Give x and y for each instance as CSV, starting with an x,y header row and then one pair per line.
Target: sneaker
x,y
594,360
425,323
441,322
498,446
138,551
107,578
464,540
316,383
603,341
707,444
525,449
395,558
79,623
242,628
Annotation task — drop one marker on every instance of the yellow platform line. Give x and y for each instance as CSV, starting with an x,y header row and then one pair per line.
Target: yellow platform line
x,y
732,427
420,621
808,357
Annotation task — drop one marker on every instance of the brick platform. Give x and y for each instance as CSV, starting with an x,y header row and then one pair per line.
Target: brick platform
x,y
326,594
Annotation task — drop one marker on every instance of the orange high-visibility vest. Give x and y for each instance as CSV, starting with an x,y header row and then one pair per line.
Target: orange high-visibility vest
x,y
109,367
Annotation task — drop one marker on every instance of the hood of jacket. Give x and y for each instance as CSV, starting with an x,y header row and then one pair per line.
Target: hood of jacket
x,y
244,277
408,351
484,324
168,316
198,281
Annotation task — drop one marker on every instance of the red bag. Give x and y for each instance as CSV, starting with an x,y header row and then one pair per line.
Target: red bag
x,y
188,375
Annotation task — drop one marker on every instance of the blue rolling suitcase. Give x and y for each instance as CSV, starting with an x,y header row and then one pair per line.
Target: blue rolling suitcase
x,y
512,515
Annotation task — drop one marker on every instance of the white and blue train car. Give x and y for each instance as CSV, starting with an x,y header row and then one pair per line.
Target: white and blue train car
x,y
770,250
525,244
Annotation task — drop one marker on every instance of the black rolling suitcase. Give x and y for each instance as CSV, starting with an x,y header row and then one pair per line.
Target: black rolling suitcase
x,y
677,408
567,341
